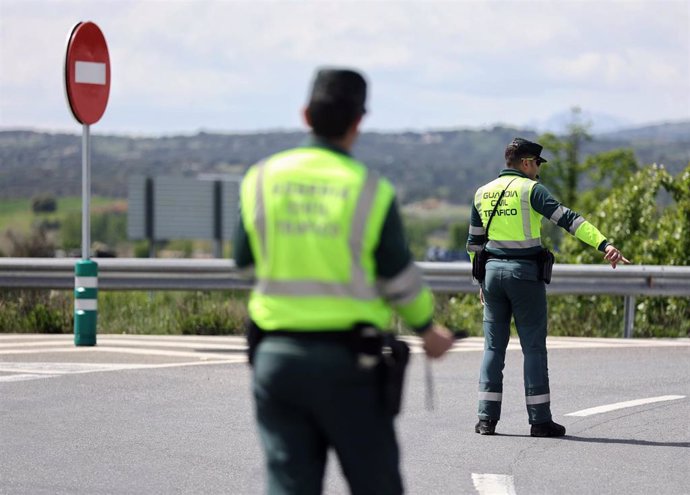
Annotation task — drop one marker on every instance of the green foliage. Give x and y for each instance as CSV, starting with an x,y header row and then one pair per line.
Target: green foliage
x,y
462,312
458,235
606,171
417,232
109,228
206,315
135,312
35,311
141,249
70,232
160,313
647,234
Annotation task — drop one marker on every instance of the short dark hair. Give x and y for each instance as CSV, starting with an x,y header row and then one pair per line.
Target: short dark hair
x,y
331,120
520,148
512,156
336,101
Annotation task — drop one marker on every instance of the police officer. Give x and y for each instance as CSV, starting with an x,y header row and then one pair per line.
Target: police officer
x,y
324,235
513,285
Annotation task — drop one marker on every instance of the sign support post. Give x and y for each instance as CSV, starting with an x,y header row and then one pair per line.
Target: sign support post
x,y
87,86
86,270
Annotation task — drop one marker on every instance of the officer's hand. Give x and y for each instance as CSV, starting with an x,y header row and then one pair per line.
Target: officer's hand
x,y
614,256
437,340
481,296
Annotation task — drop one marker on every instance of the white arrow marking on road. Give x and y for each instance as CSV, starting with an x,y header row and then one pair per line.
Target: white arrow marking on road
x,y
89,72
623,405
493,484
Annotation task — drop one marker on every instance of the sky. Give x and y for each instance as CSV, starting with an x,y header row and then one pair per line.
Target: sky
x,y
180,67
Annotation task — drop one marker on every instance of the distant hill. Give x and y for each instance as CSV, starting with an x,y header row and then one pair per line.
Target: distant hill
x,y
448,165
678,132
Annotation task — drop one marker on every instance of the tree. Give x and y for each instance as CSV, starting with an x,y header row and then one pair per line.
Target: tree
x,y
562,174
458,235
44,203
646,233
606,171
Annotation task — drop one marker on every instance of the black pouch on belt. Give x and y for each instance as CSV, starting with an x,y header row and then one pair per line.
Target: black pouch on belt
x,y
395,356
545,260
479,265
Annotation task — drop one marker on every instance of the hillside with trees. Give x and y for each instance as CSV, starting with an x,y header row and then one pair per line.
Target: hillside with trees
x,y
446,165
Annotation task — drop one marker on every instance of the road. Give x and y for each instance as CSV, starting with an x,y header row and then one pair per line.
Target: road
x,y
145,414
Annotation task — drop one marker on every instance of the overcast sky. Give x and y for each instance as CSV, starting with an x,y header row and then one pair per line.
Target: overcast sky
x,y
223,66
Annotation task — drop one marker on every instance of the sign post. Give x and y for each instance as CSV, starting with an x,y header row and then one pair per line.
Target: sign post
x,y
87,86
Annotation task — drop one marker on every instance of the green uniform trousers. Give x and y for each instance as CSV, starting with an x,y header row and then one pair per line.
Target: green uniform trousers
x,y
512,288
311,396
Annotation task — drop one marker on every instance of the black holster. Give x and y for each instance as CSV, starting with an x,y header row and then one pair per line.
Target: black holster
x,y
395,356
389,358
545,261
479,265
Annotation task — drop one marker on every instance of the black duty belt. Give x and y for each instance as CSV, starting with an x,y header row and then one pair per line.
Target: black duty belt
x,y
533,257
345,336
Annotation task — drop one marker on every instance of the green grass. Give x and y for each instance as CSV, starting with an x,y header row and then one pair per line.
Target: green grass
x,y
16,214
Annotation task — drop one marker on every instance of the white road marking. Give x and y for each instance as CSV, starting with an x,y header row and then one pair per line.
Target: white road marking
x,y
120,350
22,377
474,344
623,405
35,371
493,484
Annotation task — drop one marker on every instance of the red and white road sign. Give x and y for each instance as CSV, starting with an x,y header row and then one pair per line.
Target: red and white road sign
x,y
87,73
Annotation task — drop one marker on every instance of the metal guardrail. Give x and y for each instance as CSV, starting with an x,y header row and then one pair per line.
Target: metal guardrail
x,y
446,278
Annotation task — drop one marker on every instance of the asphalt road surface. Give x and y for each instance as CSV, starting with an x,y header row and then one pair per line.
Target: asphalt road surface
x,y
169,415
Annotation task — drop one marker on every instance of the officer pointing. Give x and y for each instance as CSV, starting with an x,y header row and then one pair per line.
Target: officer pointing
x,y
325,237
505,226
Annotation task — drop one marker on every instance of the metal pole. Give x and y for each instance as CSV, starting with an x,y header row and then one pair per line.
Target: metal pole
x,y
85,193
85,270
148,219
628,316
217,219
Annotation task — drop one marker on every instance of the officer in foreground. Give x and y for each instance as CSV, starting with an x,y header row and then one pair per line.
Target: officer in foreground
x,y
514,280
331,263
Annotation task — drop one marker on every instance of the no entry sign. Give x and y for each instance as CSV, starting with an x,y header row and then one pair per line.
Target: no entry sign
x,y
87,73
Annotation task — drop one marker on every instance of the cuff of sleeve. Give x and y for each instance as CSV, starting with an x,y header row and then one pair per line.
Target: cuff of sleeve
x,y
419,330
602,245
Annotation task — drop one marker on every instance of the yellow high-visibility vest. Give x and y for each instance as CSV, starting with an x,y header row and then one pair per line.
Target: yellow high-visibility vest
x,y
516,225
313,218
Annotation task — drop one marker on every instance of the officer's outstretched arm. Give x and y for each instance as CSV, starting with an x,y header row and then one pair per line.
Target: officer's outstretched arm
x,y
614,256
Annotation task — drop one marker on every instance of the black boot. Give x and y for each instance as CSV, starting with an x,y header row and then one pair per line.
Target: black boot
x,y
486,426
548,429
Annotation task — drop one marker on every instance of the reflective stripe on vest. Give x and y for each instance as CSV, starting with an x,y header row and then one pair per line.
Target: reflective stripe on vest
x,y
403,288
526,209
357,287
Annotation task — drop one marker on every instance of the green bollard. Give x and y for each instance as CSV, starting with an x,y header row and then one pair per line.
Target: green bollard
x,y
85,302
